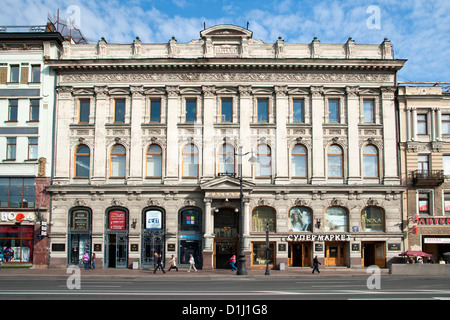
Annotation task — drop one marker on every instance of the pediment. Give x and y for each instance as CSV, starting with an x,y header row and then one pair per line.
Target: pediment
x,y
225,184
226,31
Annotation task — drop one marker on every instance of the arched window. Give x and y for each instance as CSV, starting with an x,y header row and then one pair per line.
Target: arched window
x,y
263,161
82,161
335,167
226,159
300,219
118,161
190,161
260,217
370,161
336,219
154,161
299,161
372,219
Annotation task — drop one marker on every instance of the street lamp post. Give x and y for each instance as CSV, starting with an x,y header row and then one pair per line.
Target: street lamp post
x,y
241,265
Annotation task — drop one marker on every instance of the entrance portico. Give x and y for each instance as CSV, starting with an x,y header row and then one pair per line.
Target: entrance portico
x,y
222,203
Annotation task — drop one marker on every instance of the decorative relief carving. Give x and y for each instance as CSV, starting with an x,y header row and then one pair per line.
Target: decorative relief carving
x,y
225,76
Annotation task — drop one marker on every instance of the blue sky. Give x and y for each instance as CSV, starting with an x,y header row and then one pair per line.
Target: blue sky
x,y
418,29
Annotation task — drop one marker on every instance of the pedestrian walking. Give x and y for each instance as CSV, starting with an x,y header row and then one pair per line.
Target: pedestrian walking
x,y
316,265
93,261
159,264
192,263
1,258
173,263
86,260
233,262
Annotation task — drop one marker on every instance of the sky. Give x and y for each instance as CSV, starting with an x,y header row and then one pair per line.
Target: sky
x,y
418,29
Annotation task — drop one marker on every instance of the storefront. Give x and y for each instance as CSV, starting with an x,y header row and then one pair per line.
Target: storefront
x,y
437,245
152,236
116,238
80,234
190,236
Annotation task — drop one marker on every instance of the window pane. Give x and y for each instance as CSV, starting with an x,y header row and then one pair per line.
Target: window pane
x,y
84,110
333,110
190,165
118,166
259,253
226,159
424,200
4,192
82,166
299,219
368,111
299,165
29,193
446,123
421,123
263,110
119,115
372,219
335,166
155,111
191,110
118,149
32,148
16,193
370,166
298,110
447,203
226,110
154,165
446,165
11,148
36,74
14,73
13,107
336,220
260,217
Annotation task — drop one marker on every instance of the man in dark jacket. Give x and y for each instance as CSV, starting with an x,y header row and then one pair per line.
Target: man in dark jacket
x,y
316,265
159,264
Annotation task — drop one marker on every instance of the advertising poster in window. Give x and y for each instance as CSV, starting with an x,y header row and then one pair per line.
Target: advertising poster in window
x,y
299,219
117,221
153,220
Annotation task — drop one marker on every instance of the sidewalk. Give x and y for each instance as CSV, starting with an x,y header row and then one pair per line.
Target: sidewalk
x,y
182,273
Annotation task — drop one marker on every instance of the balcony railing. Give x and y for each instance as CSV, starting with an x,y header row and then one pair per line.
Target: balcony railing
x,y
428,177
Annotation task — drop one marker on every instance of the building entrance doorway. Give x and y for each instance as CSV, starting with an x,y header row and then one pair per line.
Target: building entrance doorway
x,y
226,231
335,254
117,250
300,254
373,253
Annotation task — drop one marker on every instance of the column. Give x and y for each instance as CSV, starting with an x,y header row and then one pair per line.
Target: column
x,y
438,124
414,124
247,220
137,107
100,148
208,249
65,104
209,107
172,152
391,176
244,128
281,148
318,160
354,172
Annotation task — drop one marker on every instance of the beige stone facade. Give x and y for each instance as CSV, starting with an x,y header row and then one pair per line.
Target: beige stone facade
x,y
425,150
147,137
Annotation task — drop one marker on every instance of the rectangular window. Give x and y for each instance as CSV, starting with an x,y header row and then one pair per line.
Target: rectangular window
x,y
263,110
34,110
422,124
17,193
36,73
14,74
85,107
191,110
298,110
333,110
447,203
13,109
32,148
369,111
422,163
446,165
424,203
119,110
155,110
259,254
11,148
446,123
226,110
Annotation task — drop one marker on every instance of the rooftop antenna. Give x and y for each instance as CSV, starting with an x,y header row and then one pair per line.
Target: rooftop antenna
x,y
204,25
247,24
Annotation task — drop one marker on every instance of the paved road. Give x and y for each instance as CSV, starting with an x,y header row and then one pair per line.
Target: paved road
x,y
226,288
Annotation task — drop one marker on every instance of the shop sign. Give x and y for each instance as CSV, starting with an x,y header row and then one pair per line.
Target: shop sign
x,y
318,237
434,221
153,220
16,216
222,194
117,220
437,240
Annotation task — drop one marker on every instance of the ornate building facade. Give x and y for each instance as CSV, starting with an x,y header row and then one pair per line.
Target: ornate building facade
x,y
149,139
425,153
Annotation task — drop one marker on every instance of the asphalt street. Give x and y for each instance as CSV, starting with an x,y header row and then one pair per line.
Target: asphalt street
x,y
227,288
